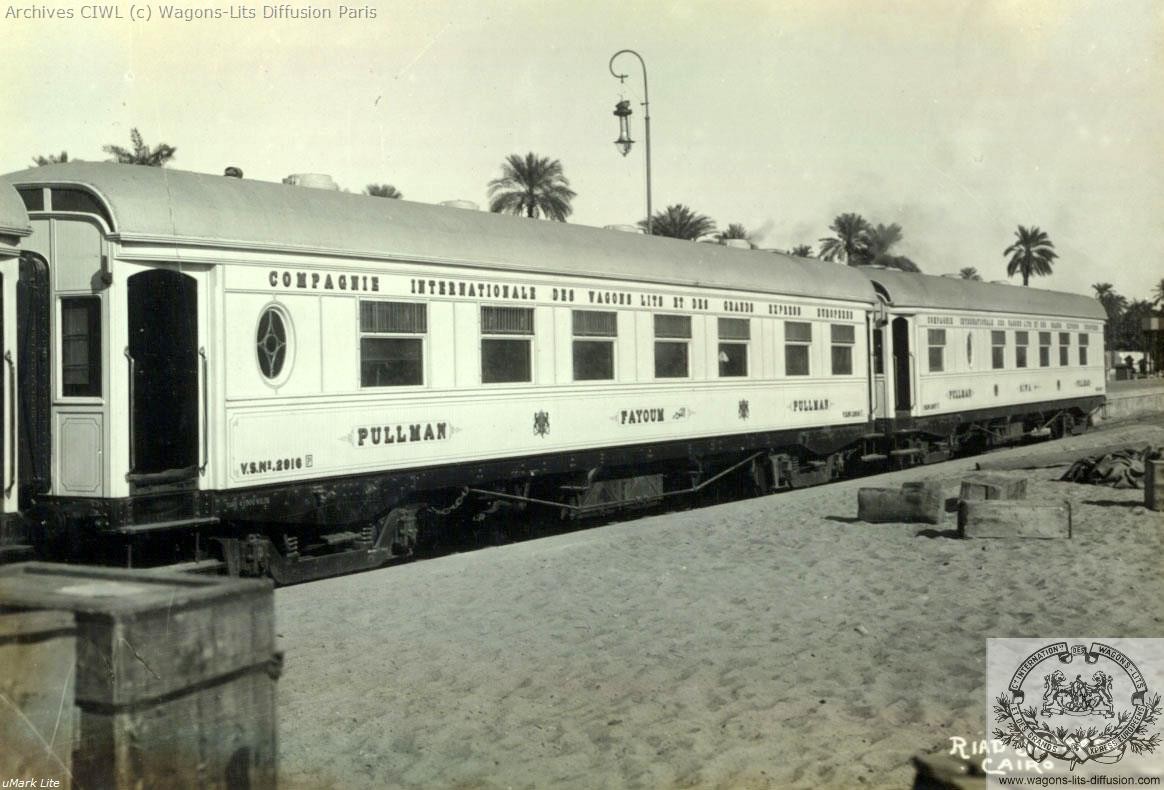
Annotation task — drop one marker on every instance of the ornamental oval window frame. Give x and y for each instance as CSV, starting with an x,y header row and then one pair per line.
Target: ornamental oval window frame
x,y
264,347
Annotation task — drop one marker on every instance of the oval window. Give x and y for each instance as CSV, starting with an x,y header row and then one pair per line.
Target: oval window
x,y
271,342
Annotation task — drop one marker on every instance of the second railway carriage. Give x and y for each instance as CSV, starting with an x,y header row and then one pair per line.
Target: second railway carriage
x,y
959,362
283,368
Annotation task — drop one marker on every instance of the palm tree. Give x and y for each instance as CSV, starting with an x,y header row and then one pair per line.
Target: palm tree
x,y
1130,326
801,251
846,245
532,186
679,222
51,159
142,154
383,190
876,244
736,231
1158,293
969,273
1113,305
1032,254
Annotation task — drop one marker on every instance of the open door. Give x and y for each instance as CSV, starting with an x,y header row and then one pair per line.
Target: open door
x,y
164,379
902,365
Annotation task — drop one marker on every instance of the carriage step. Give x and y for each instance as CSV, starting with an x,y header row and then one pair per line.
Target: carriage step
x,y
906,451
873,457
15,552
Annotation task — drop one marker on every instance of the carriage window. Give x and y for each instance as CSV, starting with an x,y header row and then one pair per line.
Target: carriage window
x,y
998,350
1082,348
937,350
33,198
81,346
797,340
507,358
1044,349
65,199
594,331
844,336
271,342
1064,348
391,353
878,352
672,336
1020,349
734,334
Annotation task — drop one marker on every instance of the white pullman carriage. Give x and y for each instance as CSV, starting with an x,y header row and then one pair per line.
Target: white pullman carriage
x,y
230,352
959,357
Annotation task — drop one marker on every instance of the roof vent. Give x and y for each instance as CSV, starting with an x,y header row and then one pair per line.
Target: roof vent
x,y
625,228
953,276
999,282
313,180
740,244
233,172
468,205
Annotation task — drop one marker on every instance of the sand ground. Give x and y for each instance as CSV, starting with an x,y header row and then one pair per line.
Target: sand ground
x,y
771,642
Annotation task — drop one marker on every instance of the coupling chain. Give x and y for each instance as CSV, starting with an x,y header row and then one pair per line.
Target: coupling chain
x,y
444,511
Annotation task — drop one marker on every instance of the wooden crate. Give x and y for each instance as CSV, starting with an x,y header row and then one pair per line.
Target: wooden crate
x,y
37,658
1154,484
175,674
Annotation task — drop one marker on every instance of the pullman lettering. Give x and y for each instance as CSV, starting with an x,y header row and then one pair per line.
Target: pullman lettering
x,y
372,435
810,404
962,393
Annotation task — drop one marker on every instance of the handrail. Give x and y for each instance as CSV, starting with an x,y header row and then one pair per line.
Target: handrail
x,y
132,414
11,471
913,382
205,450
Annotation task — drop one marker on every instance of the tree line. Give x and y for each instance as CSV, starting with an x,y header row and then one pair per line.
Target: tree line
x,y
536,186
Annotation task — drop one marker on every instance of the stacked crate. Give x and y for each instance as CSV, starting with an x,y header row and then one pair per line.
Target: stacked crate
x,y
175,674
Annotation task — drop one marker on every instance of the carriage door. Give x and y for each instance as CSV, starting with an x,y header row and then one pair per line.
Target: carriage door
x,y
902,364
32,369
164,364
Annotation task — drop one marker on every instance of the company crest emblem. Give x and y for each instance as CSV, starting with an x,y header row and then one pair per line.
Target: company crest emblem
x,y
541,424
744,409
1081,714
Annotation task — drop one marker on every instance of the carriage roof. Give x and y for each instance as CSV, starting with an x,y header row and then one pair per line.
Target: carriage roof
x,y
13,217
160,204
907,289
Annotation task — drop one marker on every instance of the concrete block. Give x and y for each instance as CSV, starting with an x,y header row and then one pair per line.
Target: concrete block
x,y
1154,485
917,502
1004,518
981,487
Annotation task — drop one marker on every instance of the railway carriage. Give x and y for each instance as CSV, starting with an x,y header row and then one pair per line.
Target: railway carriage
x,y
300,380
959,362
282,367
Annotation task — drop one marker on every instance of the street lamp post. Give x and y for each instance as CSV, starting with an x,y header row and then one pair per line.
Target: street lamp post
x,y
624,142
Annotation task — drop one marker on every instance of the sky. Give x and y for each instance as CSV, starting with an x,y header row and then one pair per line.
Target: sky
x,y
957,119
